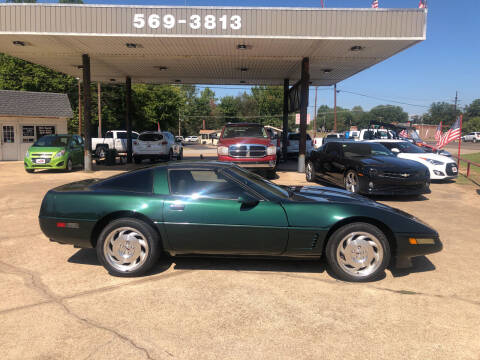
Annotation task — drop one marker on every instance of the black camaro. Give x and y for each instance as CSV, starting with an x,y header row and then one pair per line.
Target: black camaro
x,y
367,168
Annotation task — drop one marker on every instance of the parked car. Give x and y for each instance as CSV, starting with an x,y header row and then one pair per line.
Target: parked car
x,y
113,140
191,140
250,146
155,145
319,141
367,168
212,208
440,167
55,152
293,145
473,137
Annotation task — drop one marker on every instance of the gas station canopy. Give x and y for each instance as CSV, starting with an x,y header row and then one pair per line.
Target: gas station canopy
x,y
207,45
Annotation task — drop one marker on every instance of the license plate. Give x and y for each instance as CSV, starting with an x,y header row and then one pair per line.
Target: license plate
x,y
40,161
454,169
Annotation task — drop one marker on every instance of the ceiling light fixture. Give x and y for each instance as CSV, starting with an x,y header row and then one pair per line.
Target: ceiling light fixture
x,y
162,68
242,81
18,43
178,81
356,48
131,45
243,47
326,71
113,79
243,69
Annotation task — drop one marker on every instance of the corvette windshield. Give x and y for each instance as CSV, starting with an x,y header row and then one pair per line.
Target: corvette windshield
x,y
52,141
261,182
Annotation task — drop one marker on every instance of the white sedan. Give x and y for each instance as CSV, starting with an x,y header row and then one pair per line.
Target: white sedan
x,y
155,145
441,167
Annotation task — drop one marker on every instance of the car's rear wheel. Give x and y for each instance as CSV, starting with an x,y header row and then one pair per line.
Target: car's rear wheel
x,y
358,252
310,172
180,155
351,181
128,247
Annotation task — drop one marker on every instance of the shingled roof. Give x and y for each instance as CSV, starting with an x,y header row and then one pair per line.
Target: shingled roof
x,y
29,103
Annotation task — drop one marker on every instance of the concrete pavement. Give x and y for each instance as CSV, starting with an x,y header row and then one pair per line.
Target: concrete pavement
x,y
58,302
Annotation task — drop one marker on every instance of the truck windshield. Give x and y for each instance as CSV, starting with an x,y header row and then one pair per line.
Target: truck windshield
x,y
52,141
244,131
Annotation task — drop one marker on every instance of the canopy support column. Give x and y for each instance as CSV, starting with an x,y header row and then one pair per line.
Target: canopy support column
x,y
87,113
304,82
128,117
285,119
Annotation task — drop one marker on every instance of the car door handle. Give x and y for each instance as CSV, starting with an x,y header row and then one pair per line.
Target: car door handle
x,y
178,207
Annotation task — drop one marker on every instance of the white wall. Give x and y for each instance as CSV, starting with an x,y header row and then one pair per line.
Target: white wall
x,y
16,150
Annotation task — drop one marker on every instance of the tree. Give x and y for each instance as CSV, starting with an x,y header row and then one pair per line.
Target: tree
x,y
269,104
388,114
229,107
472,124
473,110
441,111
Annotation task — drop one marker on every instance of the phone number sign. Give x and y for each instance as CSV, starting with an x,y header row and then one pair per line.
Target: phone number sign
x,y
194,22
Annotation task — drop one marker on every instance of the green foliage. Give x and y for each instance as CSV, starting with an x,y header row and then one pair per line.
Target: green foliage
x,y
441,111
473,110
389,114
470,125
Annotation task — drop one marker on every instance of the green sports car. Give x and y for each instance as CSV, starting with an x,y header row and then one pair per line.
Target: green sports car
x,y
214,208
55,152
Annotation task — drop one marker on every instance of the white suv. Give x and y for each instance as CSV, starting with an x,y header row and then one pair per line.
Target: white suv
x,y
155,145
441,167
473,136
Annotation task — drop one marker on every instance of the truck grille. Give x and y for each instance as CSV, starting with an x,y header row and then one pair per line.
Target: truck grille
x,y
247,151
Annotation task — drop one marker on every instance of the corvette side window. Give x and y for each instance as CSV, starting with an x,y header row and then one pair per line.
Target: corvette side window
x,y
204,183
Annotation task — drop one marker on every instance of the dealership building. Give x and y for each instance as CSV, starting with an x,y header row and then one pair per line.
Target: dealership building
x,y
292,47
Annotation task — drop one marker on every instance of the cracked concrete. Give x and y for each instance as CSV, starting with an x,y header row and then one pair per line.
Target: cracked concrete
x,y
59,303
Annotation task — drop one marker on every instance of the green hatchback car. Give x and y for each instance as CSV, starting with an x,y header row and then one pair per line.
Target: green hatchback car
x,y
55,152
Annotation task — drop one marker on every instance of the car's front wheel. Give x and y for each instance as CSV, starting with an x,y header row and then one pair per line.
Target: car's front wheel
x,y
352,183
310,172
358,252
128,247
69,166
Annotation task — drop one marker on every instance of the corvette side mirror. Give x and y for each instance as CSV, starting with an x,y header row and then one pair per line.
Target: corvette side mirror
x,y
247,201
395,151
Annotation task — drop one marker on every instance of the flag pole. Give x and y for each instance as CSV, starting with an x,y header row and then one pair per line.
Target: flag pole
x,y
460,141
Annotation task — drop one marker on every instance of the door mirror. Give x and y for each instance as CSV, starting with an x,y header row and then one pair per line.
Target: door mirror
x,y
247,201
395,150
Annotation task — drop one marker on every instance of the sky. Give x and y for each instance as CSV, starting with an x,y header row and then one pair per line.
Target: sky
x,y
446,62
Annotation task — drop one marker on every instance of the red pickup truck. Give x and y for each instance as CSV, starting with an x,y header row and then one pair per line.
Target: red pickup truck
x,y
248,145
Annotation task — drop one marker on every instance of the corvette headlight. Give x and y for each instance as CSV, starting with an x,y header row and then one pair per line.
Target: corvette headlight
x,y
222,150
60,154
271,150
433,162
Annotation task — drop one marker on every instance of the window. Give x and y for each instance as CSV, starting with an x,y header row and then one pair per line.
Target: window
x,y
244,131
203,182
52,141
150,137
121,135
140,181
296,136
8,134
332,149
45,130
109,135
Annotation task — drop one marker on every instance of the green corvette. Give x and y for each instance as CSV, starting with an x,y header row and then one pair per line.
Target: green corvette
x,y
55,152
220,209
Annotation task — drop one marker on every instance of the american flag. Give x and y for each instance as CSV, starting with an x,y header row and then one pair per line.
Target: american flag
x,y
375,4
438,133
422,4
403,133
452,134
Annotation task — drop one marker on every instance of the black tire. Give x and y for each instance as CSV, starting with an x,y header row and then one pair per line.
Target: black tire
x,y
310,172
140,227
180,155
170,155
137,160
271,174
339,266
69,166
101,151
30,171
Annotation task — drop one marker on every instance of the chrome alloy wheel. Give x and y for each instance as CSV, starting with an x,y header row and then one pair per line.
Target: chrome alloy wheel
x,y
125,249
309,171
351,182
359,254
